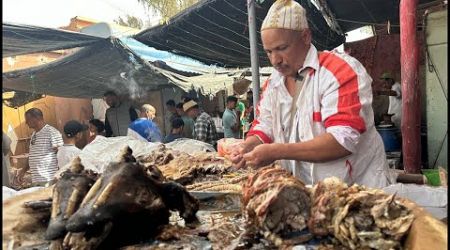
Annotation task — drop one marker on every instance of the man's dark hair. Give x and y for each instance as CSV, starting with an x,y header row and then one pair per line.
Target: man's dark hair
x,y
98,124
232,99
179,105
177,123
170,103
35,112
109,93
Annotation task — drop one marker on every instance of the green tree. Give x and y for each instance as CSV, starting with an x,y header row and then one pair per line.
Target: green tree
x,y
130,21
167,8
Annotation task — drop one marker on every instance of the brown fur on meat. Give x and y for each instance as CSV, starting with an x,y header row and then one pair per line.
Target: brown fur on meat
x,y
67,196
126,205
275,201
185,168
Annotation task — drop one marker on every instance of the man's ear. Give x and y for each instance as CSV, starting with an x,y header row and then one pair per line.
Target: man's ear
x,y
306,36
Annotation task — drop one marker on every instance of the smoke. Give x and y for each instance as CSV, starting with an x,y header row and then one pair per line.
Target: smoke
x,y
125,81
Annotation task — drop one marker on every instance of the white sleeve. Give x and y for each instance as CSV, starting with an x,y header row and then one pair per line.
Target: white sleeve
x,y
262,124
346,136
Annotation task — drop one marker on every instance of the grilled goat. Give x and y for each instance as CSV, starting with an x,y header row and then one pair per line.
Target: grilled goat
x,y
276,203
357,217
127,204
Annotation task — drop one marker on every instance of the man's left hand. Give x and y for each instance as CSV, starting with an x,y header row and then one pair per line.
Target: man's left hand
x,y
262,155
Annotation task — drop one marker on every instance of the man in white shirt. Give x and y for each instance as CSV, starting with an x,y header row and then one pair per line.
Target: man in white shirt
x,y
73,133
393,89
45,141
315,114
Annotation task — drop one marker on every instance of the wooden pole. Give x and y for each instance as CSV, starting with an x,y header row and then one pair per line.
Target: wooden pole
x,y
254,59
409,61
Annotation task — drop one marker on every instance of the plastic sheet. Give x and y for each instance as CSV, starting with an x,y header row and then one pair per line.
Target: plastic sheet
x,y
432,199
190,146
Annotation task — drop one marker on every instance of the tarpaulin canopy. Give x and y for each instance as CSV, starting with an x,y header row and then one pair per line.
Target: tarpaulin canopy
x,y
21,39
110,65
216,32
353,14
89,72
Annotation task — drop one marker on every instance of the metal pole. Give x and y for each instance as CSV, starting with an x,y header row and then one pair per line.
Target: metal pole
x,y
409,61
253,51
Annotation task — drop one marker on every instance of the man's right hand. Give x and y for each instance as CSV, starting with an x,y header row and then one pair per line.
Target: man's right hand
x,y
20,175
237,154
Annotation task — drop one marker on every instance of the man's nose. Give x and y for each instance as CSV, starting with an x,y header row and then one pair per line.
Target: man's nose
x,y
275,58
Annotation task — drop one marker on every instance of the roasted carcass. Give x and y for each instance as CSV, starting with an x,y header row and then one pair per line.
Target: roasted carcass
x,y
358,218
67,195
125,205
276,203
185,168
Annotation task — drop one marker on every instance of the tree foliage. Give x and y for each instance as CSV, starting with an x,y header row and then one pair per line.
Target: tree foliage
x,y
130,21
167,8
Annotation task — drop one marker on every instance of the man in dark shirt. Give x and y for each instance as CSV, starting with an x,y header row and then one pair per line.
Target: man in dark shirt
x,y
118,116
176,132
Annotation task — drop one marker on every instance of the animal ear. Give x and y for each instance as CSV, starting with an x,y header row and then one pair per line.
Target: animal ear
x,y
76,166
126,155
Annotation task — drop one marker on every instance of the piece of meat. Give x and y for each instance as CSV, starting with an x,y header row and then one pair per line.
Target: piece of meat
x,y
357,217
276,203
25,219
128,205
67,195
185,168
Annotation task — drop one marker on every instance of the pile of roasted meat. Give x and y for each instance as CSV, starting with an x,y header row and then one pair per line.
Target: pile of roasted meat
x,y
133,202
276,203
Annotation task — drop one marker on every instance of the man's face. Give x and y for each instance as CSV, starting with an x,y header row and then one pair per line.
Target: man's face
x,y
192,113
180,111
388,82
231,105
31,121
111,100
286,49
171,109
92,130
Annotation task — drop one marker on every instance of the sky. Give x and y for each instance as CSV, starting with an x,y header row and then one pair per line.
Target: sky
x,y
57,13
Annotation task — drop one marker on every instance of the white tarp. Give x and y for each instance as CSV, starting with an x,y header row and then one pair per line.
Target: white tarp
x,y
432,199
103,150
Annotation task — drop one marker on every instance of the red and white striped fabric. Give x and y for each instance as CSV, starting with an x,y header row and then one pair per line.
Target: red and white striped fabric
x,y
336,98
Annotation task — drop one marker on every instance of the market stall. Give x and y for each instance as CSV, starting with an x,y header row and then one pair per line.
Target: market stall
x,y
170,197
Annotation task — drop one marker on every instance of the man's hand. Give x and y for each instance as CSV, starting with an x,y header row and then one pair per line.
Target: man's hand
x,y
262,155
237,153
20,174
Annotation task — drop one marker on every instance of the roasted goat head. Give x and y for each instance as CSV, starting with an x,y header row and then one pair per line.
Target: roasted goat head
x,y
126,204
67,195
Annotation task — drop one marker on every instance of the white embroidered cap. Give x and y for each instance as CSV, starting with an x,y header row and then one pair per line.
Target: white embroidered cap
x,y
285,14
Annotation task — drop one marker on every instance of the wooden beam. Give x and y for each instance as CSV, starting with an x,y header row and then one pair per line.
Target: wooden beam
x,y
409,60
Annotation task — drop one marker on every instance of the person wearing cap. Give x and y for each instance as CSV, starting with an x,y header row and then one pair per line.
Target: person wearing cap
x,y
144,128
188,126
204,128
315,114
45,140
73,133
230,119
392,89
176,132
118,116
